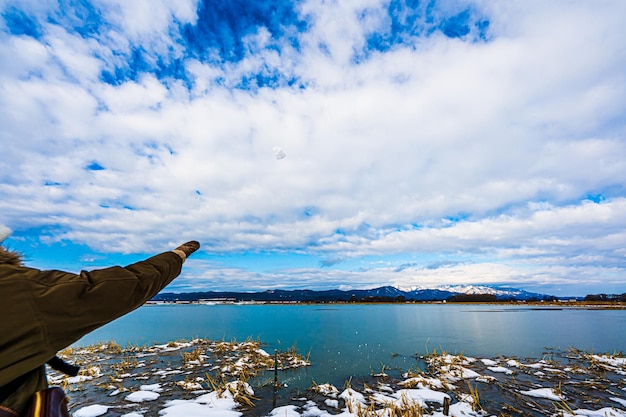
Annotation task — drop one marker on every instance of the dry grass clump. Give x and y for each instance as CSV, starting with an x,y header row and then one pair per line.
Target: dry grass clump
x,y
191,383
246,359
195,357
126,363
474,397
239,390
242,393
405,408
326,390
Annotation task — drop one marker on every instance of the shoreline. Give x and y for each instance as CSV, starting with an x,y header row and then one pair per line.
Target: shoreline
x,y
585,305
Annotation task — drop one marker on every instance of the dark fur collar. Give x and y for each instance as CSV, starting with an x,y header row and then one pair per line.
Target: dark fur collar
x,y
8,257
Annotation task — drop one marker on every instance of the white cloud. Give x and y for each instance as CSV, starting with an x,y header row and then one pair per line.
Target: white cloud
x,y
145,18
384,150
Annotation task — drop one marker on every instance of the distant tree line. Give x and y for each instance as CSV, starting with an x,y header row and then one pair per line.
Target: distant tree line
x,y
473,298
545,298
606,297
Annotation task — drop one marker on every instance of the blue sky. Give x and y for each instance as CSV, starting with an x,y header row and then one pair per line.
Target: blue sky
x,y
320,144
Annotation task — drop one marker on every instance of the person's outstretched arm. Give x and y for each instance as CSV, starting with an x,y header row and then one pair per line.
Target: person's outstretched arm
x,y
95,298
50,310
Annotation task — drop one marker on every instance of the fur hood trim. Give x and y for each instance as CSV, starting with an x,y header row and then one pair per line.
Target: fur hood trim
x,y
4,232
8,257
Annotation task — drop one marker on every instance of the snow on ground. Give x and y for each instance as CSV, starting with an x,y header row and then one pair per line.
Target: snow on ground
x,y
420,396
603,412
454,374
353,399
514,363
152,387
140,396
421,382
548,393
189,408
501,369
453,368
611,360
94,410
331,403
285,411
327,390
182,386
209,405
537,365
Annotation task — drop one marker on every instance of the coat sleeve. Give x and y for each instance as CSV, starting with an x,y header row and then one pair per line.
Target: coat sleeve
x,y
71,306
46,311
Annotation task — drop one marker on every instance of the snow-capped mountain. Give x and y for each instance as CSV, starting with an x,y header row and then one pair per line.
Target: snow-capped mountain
x,y
500,292
483,289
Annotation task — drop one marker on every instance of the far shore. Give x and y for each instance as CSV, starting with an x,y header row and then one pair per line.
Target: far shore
x,y
594,305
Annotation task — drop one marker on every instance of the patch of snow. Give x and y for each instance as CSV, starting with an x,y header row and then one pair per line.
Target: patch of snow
x,y
514,363
619,400
460,409
610,360
536,365
351,396
141,396
190,408
262,352
458,373
152,387
78,379
500,369
225,401
331,403
422,382
487,378
453,359
94,410
165,373
312,410
603,412
543,393
327,390
420,396
285,411
189,385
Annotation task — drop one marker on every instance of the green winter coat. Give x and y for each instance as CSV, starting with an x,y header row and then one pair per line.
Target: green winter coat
x,y
45,311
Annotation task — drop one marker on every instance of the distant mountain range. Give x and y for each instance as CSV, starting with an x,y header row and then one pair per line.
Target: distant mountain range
x,y
381,294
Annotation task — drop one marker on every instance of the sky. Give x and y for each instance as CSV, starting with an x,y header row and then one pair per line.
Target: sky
x,y
319,144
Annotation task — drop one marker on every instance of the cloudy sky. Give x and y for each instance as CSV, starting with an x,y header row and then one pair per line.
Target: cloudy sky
x,y
320,144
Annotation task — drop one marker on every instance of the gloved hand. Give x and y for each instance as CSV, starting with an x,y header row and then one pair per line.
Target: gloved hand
x,y
187,249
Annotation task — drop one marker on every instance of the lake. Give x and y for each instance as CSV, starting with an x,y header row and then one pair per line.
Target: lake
x,y
356,340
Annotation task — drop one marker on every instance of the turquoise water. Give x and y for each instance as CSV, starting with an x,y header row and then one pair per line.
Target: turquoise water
x,y
355,340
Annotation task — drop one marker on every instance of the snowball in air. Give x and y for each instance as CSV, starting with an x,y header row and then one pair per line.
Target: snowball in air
x,y
279,153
